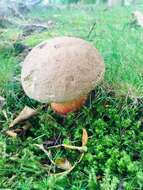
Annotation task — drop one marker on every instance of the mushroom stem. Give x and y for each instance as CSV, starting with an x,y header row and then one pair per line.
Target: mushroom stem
x,y
70,106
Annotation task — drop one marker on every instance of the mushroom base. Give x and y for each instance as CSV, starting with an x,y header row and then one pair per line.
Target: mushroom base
x,y
70,106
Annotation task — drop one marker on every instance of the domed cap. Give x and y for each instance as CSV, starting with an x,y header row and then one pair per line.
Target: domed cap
x,y
61,69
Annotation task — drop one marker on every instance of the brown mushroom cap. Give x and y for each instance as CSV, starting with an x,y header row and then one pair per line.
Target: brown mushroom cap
x,y
61,69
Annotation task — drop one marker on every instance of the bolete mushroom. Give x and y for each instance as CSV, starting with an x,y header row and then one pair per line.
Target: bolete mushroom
x,y
62,71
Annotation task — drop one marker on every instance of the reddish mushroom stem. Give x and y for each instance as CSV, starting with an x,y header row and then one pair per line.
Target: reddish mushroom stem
x,y
70,106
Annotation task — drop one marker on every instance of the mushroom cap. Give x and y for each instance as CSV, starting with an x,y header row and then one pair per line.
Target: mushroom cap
x,y
61,69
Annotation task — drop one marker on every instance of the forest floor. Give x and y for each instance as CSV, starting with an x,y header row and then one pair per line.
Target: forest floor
x,y
112,116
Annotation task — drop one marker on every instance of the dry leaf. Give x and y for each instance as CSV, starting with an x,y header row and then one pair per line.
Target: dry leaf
x,y
20,131
27,126
84,137
11,133
69,170
25,114
63,164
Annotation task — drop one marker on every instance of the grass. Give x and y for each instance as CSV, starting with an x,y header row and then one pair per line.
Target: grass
x,y
114,147
6,70
114,122
117,40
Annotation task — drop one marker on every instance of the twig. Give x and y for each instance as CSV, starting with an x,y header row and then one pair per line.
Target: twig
x,y
82,149
41,147
79,148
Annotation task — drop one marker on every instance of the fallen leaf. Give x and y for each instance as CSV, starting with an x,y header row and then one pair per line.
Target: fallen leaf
x,y
11,133
63,164
69,170
84,137
20,131
25,114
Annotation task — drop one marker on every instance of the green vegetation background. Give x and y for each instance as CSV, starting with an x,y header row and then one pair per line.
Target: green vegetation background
x,y
112,118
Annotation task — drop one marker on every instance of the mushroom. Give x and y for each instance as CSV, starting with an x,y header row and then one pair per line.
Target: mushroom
x,y
62,71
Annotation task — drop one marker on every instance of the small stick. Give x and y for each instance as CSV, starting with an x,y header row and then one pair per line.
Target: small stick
x,y
41,147
67,146
79,148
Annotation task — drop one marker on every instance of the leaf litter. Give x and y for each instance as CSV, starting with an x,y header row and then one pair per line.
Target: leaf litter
x,y
22,118
25,114
61,163
64,163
